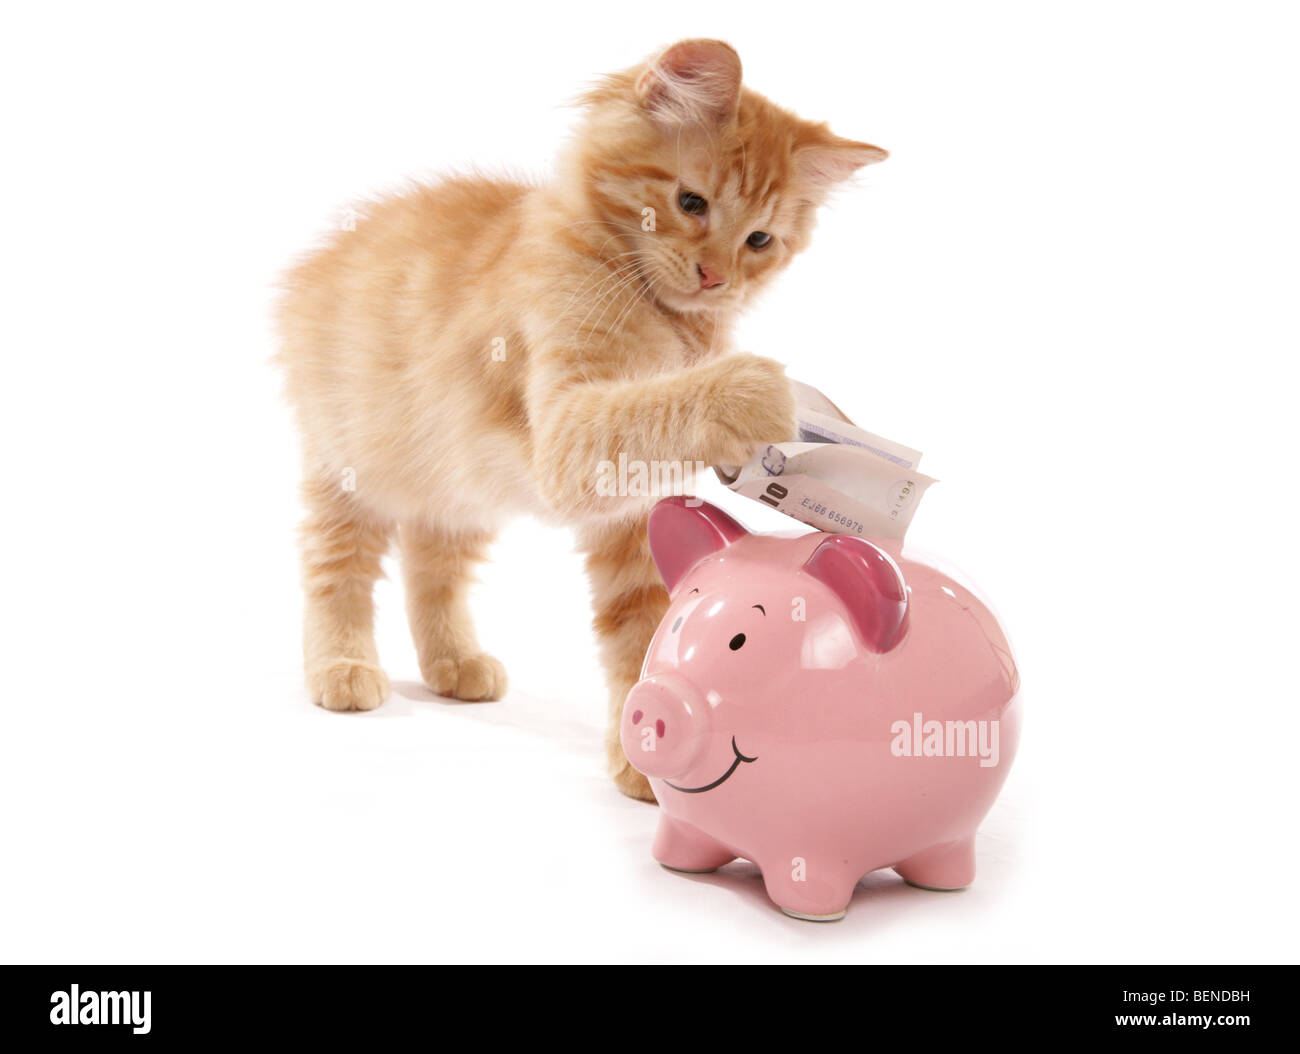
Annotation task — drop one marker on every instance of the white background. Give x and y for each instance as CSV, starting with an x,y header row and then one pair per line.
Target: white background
x,y
1073,285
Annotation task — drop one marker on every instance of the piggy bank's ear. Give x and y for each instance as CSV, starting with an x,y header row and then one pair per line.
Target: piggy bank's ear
x,y
868,583
684,531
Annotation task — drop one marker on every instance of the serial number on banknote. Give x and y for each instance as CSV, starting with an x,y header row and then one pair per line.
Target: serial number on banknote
x,y
826,513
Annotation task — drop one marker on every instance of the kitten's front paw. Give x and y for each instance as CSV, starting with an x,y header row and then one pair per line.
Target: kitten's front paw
x,y
347,684
473,679
750,403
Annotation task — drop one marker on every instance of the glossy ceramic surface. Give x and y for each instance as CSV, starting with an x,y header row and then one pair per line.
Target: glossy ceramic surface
x,y
823,706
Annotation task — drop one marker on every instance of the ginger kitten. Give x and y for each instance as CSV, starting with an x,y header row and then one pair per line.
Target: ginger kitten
x,y
475,349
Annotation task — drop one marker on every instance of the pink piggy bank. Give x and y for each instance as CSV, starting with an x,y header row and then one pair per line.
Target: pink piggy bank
x,y
823,706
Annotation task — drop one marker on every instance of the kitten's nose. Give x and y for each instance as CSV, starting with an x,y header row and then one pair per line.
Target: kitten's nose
x,y
709,277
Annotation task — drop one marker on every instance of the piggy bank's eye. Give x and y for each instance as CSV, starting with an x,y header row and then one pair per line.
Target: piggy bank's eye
x,y
737,642
677,625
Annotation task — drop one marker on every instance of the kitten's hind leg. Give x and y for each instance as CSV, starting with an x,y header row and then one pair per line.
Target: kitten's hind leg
x,y
438,567
342,546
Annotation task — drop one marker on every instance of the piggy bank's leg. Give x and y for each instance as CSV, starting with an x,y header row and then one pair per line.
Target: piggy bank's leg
x,y
808,889
681,847
942,867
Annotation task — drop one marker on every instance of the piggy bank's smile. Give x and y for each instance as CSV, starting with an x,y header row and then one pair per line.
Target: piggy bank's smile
x,y
721,779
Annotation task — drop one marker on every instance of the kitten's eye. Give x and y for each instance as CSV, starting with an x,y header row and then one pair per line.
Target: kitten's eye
x,y
737,642
759,240
692,204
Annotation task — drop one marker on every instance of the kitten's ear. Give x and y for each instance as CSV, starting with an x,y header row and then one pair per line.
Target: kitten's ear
x,y
694,80
827,160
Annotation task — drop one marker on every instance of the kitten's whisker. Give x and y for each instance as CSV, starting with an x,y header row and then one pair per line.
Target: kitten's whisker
x,y
610,276
617,272
647,291
625,275
631,280
611,295
589,287
586,282
627,312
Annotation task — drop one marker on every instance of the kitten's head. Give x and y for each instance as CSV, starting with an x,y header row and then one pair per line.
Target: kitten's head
x,y
732,180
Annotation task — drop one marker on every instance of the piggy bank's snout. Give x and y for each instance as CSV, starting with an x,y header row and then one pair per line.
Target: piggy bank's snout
x,y
664,720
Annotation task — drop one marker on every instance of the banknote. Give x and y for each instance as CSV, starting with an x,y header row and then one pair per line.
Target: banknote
x,y
836,476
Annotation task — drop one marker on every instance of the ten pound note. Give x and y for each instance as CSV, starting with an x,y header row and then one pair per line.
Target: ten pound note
x,y
837,477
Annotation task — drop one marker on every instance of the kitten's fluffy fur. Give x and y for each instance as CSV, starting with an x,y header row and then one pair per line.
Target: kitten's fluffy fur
x,y
474,349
